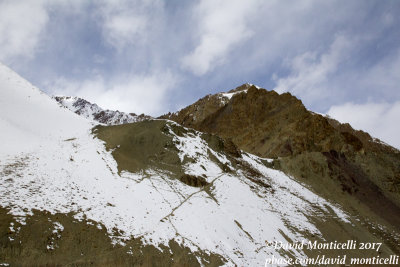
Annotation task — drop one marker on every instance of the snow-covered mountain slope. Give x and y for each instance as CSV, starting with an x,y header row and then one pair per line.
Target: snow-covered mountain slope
x,y
29,118
95,113
222,207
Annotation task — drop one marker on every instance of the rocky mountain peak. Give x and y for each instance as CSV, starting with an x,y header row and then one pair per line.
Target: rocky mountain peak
x,y
303,143
93,112
270,124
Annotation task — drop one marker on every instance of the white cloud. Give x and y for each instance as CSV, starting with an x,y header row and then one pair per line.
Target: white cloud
x,y
384,76
378,119
311,72
21,26
222,25
137,93
127,22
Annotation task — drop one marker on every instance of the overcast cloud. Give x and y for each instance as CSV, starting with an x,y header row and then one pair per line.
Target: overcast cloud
x,y
154,56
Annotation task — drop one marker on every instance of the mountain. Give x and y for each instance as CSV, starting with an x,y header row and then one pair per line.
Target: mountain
x,y
344,165
94,112
154,193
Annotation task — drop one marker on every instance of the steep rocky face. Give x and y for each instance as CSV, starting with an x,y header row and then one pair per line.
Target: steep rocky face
x,y
91,111
268,124
337,161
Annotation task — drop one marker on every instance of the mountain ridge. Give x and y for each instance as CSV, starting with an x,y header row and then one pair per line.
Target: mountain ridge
x,y
93,112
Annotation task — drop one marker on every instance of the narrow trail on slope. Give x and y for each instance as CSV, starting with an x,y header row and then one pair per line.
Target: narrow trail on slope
x,y
186,199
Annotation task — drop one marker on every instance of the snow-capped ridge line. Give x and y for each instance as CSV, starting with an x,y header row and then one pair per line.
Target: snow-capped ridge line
x,y
93,112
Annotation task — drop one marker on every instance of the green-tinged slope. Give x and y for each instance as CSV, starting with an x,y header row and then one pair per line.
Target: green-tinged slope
x,y
38,242
149,145
140,146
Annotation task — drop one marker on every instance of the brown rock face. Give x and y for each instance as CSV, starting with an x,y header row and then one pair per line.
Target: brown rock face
x,y
265,123
279,126
192,180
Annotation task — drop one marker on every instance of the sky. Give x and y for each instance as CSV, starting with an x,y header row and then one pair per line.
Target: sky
x,y
341,58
